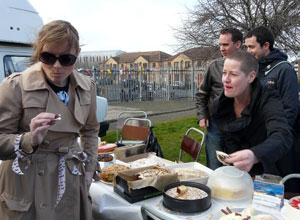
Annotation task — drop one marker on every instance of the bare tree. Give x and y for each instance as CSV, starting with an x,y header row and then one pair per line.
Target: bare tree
x,y
208,17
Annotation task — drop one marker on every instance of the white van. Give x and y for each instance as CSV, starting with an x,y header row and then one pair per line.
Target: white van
x,y
19,25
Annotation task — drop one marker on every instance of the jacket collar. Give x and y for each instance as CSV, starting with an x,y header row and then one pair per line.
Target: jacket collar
x,y
267,63
223,113
34,79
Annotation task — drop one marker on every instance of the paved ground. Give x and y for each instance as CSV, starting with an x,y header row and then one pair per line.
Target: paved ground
x,y
157,111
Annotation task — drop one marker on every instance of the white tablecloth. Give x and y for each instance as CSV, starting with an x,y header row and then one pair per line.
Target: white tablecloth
x,y
109,205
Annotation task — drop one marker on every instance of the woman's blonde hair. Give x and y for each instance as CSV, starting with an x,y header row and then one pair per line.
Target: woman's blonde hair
x,y
53,33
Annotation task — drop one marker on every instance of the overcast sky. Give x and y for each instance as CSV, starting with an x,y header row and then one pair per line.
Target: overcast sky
x,y
128,25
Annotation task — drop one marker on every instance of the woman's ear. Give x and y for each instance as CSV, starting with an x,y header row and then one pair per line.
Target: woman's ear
x,y
252,76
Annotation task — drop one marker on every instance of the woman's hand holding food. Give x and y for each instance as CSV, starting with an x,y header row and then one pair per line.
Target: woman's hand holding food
x,y
243,160
39,126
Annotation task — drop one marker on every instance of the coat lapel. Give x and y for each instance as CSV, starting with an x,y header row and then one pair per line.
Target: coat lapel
x,y
67,122
72,115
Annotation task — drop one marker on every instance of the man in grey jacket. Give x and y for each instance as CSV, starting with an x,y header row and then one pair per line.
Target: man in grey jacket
x,y
230,40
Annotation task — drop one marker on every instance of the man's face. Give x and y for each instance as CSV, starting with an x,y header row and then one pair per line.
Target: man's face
x,y
227,46
255,49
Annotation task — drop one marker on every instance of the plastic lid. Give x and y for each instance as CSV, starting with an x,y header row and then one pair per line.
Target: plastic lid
x,y
230,184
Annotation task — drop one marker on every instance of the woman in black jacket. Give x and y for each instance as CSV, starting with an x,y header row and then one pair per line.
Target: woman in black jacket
x,y
251,117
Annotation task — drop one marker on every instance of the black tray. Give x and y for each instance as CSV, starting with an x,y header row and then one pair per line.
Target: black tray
x,y
135,198
134,195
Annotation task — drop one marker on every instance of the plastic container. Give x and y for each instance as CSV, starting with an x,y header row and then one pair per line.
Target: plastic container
x,y
230,184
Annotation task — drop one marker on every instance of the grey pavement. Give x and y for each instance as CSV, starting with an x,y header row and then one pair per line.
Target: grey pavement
x,y
157,111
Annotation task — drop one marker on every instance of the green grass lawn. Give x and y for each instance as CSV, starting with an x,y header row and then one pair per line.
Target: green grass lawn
x,y
170,135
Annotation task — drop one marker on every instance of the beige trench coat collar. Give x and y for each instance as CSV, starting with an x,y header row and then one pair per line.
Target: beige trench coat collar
x,y
36,80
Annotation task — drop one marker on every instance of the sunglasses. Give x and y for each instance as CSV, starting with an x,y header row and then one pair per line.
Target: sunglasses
x,y
64,59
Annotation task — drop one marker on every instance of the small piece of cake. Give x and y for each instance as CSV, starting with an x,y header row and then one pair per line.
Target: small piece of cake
x,y
221,156
57,117
181,189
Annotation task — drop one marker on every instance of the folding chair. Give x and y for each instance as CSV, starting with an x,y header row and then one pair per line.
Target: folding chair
x,y
129,114
288,195
135,134
190,146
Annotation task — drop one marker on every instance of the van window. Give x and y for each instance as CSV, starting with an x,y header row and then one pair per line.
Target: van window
x,y
15,64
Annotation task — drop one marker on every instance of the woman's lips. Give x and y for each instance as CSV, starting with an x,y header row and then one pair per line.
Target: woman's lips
x,y
227,87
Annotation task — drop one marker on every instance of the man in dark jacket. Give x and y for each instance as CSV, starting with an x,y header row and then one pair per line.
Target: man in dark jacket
x,y
274,69
230,40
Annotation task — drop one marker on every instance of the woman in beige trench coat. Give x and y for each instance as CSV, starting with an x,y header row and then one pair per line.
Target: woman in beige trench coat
x,y
45,174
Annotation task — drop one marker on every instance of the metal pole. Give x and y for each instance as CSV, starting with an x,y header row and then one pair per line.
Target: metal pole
x,y
193,85
168,80
140,85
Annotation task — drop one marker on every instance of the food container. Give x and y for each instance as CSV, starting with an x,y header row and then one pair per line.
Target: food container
x,y
192,171
133,189
230,184
188,206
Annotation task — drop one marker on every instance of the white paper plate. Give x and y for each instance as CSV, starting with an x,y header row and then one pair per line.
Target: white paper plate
x,y
219,214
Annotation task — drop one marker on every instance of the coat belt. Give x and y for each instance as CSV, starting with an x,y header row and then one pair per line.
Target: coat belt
x,y
63,153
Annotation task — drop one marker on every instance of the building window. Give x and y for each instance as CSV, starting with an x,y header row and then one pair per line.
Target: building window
x,y
169,64
187,64
176,65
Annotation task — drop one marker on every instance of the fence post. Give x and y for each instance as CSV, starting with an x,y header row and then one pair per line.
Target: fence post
x,y
193,85
140,85
169,77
